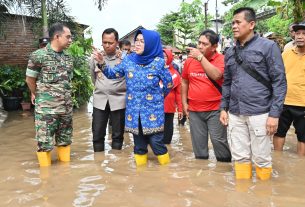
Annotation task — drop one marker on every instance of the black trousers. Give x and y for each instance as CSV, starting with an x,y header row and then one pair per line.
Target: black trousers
x,y
99,126
168,128
182,121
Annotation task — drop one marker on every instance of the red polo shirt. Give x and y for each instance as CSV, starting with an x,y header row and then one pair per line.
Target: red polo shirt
x,y
202,94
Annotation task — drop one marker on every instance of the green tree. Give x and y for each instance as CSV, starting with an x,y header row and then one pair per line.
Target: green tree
x,y
177,28
283,7
166,28
299,10
189,23
82,87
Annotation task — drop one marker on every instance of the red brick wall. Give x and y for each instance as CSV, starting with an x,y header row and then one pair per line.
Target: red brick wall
x,y
17,41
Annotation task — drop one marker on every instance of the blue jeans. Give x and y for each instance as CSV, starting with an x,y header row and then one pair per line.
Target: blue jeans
x,y
154,140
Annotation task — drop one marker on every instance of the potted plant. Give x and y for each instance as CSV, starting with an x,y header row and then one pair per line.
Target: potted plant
x,y
26,100
12,83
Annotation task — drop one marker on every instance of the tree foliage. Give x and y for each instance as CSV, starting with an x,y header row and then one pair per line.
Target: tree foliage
x,y
82,87
177,28
287,11
279,23
166,28
299,10
101,4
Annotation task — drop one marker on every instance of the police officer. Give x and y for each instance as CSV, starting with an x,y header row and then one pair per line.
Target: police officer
x,y
48,75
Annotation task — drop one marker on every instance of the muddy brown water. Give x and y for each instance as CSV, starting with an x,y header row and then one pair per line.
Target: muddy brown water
x,y
111,178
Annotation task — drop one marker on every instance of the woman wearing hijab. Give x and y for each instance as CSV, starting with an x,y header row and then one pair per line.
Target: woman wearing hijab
x,y
173,99
144,71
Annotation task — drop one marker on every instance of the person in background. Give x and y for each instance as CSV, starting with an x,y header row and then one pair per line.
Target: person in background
x,y
172,102
108,97
227,43
144,70
48,76
43,42
125,46
290,44
202,77
177,62
294,105
182,57
251,104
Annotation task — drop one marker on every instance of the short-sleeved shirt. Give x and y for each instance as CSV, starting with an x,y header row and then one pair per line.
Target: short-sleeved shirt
x,y
106,90
202,94
295,75
53,72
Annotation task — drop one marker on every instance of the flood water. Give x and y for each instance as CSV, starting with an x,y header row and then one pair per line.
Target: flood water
x,y
111,178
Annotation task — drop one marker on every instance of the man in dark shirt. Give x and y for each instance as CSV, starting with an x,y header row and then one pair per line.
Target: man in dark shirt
x,y
251,107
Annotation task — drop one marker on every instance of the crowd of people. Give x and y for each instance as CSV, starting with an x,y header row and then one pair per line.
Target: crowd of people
x,y
241,100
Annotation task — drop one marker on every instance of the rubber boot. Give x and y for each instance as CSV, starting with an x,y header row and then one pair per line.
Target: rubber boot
x,y
164,159
63,153
263,173
243,170
44,158
140,159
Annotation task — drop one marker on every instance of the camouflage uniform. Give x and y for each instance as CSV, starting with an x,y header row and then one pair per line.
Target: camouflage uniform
x,y
53,103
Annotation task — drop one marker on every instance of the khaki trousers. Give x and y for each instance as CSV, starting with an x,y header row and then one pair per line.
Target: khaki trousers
x,y
248,139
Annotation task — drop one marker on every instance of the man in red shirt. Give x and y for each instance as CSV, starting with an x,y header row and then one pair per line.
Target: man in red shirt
x,y
202,78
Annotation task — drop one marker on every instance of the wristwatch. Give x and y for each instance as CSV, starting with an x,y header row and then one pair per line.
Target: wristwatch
x,y
199,57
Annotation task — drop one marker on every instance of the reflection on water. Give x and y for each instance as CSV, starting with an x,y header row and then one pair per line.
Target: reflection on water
x,y
112,179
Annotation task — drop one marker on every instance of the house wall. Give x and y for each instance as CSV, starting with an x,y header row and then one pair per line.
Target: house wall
x,y
131,38
17,41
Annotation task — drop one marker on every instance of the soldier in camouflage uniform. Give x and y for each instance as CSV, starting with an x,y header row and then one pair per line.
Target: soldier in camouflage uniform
x,y
49,75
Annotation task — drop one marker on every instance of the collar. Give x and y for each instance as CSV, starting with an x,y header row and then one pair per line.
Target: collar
x,y
255,37
294,49
49,49
213,56
111,57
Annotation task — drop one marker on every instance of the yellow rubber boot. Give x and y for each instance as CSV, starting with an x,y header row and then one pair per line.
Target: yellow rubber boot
x,y
164,159
63,153
140,159
263,173
243,170
44,158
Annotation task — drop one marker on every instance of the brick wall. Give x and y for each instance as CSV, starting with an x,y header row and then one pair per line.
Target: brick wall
x,y
17,41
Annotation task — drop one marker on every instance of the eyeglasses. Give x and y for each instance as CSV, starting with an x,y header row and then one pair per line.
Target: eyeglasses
x,y
139,42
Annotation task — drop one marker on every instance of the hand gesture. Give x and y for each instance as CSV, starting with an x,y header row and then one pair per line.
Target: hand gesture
x,y
98,55
193,52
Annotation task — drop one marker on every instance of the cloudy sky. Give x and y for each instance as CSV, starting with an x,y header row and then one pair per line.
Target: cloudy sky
x,y
126,15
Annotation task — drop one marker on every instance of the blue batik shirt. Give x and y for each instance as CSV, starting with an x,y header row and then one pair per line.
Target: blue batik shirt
x,y
147,85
